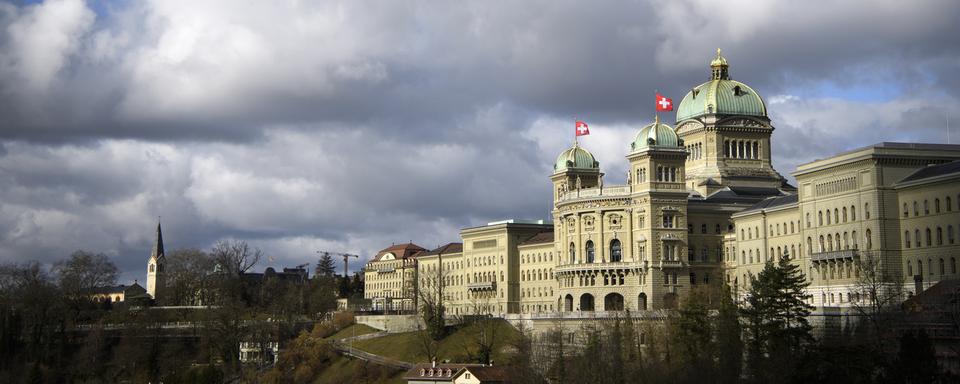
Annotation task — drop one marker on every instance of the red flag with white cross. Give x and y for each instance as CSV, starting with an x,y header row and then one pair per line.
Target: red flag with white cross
x,y
664,103
582,128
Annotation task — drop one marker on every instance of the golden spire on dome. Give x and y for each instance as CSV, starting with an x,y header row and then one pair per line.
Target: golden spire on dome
x,y
718,68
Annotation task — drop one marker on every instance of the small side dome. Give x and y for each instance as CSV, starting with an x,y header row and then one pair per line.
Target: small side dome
x,y
655,135
575,157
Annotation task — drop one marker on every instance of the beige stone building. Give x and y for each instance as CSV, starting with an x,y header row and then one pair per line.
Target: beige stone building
x,y
702,205
390,278
873,202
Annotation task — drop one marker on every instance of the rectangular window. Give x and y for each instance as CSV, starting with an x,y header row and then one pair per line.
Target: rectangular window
x,y
668,221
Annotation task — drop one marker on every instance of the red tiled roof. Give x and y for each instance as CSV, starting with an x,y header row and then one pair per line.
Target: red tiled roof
x,y
401,251
491,374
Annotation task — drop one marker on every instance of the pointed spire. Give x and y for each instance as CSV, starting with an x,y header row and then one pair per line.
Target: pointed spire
x,y
157,252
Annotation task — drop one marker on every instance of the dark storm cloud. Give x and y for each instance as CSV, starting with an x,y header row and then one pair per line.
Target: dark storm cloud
x,y
352,125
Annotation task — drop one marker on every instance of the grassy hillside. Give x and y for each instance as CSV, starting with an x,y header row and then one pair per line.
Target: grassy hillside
x,y
343,369
458,346
353,330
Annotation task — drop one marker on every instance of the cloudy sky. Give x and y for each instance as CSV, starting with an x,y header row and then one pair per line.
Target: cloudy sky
x,y
350,125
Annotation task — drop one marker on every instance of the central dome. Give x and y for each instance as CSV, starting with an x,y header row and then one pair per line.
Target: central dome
x,y
721,96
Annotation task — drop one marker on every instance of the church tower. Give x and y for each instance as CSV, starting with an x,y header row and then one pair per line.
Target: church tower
x,y
155,267
659,202
726,130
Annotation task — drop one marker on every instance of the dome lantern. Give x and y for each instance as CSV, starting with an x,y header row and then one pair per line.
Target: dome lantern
x,y
719,68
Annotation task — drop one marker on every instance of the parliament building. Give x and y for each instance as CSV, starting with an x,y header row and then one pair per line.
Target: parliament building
x,y
702,205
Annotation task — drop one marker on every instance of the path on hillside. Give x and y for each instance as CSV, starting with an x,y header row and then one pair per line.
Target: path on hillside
x,y
343,347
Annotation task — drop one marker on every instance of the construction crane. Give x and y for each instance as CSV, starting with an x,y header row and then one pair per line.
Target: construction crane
x,y
346,258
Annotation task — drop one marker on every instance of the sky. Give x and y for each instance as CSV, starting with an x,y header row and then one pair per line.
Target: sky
x,y
348,126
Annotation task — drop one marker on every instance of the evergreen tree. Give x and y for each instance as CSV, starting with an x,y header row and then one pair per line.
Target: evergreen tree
x,y
357,286
326,265
728,338
776,318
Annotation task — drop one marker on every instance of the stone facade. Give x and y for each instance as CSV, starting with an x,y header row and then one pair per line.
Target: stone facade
x,y
702,205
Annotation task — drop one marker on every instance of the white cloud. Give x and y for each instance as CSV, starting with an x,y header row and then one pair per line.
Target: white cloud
x,y
44,37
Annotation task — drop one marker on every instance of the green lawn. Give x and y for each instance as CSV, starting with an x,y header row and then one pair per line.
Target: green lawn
x,y
456,347
348,370
353,330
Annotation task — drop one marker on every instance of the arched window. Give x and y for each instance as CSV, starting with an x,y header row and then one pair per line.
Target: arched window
x,y
869,239
853,213
615,251
828,217
820,218
591,253
573,253
642,301
950,237
808,220
906,239
829,242
939,235
917,237
844,214
953,265
929,237
586,302
836,216
906,212
809,245
942,269
936,205
613,302
926,207
822,246
919,267
909,268
916,208
866,211
949,204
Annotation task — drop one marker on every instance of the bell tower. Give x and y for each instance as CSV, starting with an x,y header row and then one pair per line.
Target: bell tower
x,y
156,278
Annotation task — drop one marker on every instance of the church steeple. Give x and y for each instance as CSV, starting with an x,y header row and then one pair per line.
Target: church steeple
x,y
157,252
155,275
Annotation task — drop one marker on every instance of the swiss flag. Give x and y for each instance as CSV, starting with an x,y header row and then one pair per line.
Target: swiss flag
x,y
582,128
664,103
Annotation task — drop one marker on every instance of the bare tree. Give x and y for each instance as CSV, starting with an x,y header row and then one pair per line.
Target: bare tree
x,y
235,257
84,271
189,276
879,292
430,297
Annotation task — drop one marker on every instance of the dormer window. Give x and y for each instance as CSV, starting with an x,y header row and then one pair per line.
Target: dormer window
x,y
737,91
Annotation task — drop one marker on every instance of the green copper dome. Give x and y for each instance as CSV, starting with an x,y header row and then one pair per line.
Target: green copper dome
x,y
576,157
721,96
656,134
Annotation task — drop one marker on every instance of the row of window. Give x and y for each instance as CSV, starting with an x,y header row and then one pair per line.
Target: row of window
x,y
536,274
951,239
926,206
930,268
538,292
616,252
840,215
703,228
741,149
695,150
832,242
538,258
666,174
704,254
